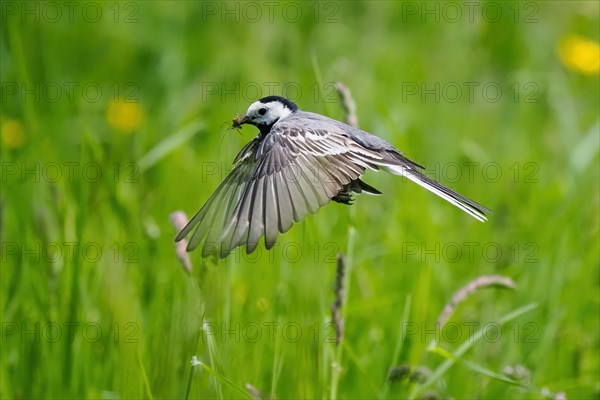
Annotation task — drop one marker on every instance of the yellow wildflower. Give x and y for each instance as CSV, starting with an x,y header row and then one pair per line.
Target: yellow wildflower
x,y
125,117
13,133
580,54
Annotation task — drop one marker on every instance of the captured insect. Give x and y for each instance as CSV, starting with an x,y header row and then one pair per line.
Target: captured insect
x,y
237,122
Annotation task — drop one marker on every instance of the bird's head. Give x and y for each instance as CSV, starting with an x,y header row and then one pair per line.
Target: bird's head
x,y
267,111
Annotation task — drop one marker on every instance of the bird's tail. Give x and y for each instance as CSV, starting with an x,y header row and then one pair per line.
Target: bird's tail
x,y
358,186
472,208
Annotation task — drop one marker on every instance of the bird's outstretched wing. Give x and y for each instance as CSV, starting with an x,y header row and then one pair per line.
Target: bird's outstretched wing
x,y
292,172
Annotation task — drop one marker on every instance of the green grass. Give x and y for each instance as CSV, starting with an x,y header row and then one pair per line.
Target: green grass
x,y
126,322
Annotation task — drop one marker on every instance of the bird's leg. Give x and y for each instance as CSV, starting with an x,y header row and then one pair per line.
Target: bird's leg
x,y
344,196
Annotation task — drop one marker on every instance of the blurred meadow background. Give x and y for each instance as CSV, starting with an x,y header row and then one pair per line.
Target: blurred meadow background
x,y
115,114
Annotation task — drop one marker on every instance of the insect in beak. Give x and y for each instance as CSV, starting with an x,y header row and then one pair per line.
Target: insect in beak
x,y
238,121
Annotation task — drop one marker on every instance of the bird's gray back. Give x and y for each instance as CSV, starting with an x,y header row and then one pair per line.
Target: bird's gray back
x,y
318,121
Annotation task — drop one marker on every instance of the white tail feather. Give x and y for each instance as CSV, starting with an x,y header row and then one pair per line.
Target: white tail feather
x,y
419,180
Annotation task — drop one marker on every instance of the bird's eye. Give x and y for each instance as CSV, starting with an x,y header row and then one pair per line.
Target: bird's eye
x,y
262,111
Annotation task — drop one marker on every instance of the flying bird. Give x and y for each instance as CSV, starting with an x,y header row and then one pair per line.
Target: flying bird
x,y
298,163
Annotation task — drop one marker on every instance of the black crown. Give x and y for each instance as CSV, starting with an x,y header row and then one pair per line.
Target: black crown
x,y
288,103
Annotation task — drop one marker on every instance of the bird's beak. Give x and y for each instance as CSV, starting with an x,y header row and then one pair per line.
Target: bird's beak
x,y
238,121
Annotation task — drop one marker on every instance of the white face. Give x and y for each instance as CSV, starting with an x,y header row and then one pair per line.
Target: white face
x,y
266,113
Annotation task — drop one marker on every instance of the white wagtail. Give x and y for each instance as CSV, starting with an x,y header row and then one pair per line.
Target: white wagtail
x,y
298,163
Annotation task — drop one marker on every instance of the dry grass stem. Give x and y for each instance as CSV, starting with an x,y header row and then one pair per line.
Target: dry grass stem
x,y
338,303
470,288
348,104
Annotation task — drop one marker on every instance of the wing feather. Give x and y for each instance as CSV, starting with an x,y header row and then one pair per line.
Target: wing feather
x,y
241,217
302,185
299,201
256,214
271,215
285,209
204,218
